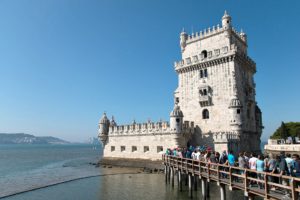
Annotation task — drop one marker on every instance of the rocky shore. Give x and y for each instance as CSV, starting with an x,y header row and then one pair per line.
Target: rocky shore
x,y
143,165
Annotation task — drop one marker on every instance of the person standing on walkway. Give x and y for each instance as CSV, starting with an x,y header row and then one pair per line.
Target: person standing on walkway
x,y
271,168
289,161
260,166
231,158
283,170
252,165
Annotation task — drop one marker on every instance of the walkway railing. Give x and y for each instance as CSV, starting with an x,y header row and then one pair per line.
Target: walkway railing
x,y
252,182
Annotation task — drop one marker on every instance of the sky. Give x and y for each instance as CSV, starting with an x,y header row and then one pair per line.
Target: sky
x,y
64,62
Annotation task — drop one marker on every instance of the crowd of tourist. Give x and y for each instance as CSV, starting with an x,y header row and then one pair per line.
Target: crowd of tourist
x,y
283,164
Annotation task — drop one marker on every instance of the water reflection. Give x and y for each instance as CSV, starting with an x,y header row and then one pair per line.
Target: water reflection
x,y
122,187
152,186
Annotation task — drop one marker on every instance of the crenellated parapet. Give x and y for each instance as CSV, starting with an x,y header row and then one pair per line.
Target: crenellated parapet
x,y
148,128
212,31
209,32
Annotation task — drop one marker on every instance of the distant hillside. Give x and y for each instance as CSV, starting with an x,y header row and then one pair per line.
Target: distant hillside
x,y
22,138
287,130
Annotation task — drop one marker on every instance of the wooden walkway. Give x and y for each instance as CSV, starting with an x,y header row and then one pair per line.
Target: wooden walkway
x,y
253,183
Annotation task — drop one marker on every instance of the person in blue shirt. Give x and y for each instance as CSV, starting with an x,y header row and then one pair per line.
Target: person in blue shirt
x,y
231,158
260,165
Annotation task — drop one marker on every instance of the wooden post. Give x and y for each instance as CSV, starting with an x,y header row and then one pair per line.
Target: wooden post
x,y
230,179
222,192
207,189
294,193
166,173
186,179
169,174
218,174
195,182
203,188
172,176
266,185
190,186
246,183
179,180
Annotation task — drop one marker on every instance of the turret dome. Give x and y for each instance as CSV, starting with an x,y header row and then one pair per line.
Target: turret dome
x,y
176,112
226,16
226,21
104,119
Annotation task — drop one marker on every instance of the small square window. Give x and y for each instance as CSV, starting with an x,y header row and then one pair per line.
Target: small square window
x,y
195,58
146,149
217,52
201,73
123,148
160,149
112,148
210,54
188,61
238,111
225,49
205,72
134,148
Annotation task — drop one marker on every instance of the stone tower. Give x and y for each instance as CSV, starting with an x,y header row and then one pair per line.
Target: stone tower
x,y
176,119
216,88
103,128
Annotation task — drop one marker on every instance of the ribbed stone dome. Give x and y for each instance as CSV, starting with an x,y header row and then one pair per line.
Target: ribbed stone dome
x,y
226,16
235,103
176,112
104,119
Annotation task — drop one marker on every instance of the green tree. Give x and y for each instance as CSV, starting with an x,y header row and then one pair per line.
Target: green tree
x,y
286,130
283,131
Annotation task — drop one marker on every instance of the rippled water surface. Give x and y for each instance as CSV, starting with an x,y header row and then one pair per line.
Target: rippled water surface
x,y
28,167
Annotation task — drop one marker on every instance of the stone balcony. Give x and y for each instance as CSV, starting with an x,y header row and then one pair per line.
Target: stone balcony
x,y
205,100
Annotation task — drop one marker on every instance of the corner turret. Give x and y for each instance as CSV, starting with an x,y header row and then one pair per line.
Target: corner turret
x,y
235,107
226,21
103,128
176,119
243,36
183,38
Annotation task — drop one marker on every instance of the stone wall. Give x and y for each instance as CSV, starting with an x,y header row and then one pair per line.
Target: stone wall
x,y
145,147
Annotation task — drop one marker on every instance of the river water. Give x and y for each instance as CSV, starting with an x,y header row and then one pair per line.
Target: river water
x,y
65,168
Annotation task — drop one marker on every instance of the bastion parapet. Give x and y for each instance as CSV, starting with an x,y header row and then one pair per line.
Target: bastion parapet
x,y
162,127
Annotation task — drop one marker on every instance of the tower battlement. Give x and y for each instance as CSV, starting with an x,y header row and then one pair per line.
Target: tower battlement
x,y
212,31
162,127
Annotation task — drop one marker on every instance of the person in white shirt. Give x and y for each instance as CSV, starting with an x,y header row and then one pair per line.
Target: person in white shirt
x,y
252,165
197,155
289,162
193,155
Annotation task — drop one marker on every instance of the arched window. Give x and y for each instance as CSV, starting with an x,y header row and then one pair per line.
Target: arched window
x,y
205,114
204,54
